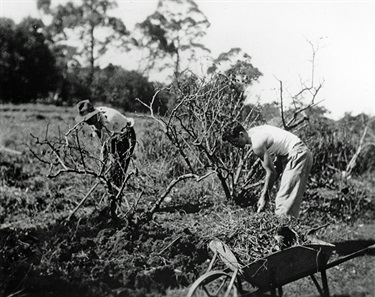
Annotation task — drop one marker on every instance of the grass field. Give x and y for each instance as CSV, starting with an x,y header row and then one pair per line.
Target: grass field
x,y
43,254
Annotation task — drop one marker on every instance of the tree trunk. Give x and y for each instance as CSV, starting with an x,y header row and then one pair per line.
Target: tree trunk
x,y
177,66
92,59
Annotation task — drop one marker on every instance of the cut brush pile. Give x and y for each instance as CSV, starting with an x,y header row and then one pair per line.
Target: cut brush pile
x,y
252,236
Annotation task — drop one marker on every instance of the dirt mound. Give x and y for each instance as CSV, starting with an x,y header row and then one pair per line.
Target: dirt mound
x,y
89,257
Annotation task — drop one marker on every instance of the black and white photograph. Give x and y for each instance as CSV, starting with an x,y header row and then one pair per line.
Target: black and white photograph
x,y
187,148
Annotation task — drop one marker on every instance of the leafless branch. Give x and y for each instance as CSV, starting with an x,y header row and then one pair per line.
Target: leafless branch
x,y
173,183
353,161
69,156
82,201
310,89
150,108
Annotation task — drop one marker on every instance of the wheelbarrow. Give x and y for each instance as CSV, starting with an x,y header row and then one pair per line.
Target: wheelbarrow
x,y
268,274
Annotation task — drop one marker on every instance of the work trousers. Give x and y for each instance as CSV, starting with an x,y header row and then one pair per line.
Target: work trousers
x,y
120,148
293,181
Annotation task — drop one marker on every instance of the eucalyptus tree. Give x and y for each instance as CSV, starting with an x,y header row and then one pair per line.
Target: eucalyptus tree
x,y
88,26
171,35
237,66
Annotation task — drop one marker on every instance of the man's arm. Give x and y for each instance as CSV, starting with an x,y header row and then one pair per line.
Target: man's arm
x,y
268,165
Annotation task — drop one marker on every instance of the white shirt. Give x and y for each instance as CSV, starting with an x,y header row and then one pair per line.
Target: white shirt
x,y
283,141
112,120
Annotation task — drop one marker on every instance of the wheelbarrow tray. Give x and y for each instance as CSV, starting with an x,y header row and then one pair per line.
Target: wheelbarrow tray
x,y
291,264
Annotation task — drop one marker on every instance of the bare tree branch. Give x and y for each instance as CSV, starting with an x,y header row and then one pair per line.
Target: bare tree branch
x,y
150,108
353,161
173,183
311,90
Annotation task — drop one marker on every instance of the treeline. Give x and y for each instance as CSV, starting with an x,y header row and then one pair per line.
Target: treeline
x,y
57,57
32,70
28,67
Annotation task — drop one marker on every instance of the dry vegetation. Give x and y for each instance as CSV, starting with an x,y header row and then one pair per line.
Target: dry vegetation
x,y
176,208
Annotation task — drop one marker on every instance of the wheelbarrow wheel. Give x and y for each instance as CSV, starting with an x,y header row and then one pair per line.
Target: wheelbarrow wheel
x,y
213,284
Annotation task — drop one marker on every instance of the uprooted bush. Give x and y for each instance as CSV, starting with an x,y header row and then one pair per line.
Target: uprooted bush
x,y
194,128
87,256
186,144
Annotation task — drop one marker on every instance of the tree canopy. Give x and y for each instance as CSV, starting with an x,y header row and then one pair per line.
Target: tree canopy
x,y
172,34
121,88
89,25
78,33
27,66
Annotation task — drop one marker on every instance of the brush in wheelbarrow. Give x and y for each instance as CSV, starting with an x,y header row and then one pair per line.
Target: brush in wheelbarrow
x,y
268,274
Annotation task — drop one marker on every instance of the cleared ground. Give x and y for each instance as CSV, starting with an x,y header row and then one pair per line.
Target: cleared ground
x,y
43,254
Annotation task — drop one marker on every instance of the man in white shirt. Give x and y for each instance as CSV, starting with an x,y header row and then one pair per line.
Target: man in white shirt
x,y
116,133
269,140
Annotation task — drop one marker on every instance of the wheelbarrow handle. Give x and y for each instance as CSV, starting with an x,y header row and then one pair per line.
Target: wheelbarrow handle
x,y
212,262
350,256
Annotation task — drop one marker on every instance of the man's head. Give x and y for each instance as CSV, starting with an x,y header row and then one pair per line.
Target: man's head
x,y
236,134
86,112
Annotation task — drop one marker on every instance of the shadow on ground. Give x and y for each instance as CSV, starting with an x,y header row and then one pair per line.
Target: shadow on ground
x,y
348,247
187,207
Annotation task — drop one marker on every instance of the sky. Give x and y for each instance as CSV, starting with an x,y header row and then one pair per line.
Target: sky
x,y
278,37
